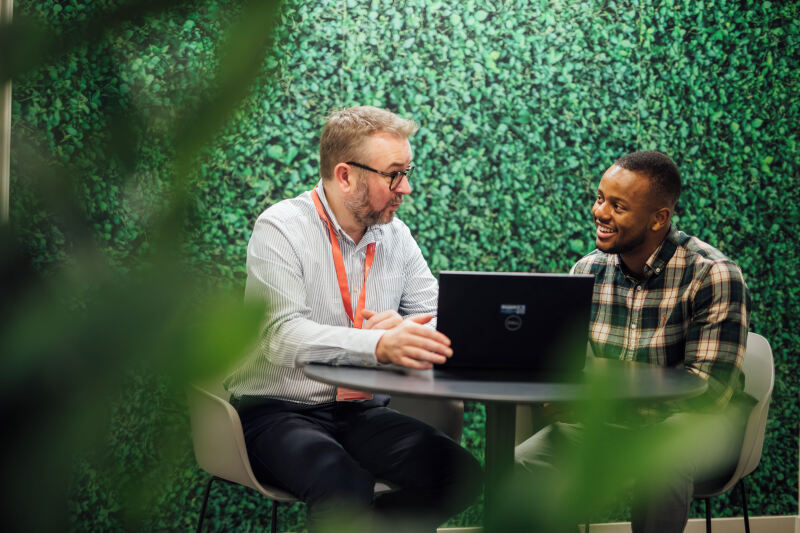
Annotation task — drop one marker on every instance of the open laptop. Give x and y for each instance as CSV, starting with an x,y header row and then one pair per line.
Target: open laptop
x,y
515,326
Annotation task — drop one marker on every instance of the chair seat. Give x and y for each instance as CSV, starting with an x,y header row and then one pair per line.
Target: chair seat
x,y
384,487
274,493
712,487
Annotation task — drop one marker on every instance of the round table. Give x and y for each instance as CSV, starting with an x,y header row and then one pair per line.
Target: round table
x,y
602,379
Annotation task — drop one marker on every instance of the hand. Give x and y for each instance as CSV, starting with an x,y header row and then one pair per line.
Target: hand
x,y
413,345
383,320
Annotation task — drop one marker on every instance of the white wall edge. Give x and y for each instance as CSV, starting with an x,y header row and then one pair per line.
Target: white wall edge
x,y
758,524
6,10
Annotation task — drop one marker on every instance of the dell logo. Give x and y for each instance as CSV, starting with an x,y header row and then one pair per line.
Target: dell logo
x,y
513,322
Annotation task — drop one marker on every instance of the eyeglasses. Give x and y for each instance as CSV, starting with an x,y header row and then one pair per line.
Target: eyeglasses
x,y
396,177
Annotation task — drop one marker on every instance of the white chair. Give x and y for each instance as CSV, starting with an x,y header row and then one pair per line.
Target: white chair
x,y
758,368
220,449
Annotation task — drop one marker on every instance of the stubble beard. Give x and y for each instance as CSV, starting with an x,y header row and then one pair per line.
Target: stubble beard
x,y
629,246
359,206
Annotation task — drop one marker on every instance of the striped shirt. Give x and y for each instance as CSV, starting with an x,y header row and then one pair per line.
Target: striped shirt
x,y
290,268
691,308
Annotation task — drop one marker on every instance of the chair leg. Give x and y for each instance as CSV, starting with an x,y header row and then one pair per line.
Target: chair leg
x,y
275,504
586,527
744,506
205,502
708,515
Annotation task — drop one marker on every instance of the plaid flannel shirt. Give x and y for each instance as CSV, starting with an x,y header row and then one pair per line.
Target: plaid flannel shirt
x,y
691,308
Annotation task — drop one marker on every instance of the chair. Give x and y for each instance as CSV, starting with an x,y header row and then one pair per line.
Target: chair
x,y
220,449
759,377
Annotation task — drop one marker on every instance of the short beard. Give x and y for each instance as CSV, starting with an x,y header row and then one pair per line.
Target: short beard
x,y
632,244
359,206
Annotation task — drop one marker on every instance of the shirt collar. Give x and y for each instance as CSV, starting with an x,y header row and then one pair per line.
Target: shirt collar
x,y
658,260
374,233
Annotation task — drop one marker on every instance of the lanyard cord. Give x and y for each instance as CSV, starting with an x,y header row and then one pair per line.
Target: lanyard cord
x,y
341,274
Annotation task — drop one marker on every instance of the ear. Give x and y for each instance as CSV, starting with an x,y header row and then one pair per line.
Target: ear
x,y
661,219
343,177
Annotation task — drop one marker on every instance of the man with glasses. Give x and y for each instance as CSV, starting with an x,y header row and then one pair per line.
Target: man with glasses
x,y
344,282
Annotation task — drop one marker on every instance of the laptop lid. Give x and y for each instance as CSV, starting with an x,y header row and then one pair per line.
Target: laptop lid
x,y
516,322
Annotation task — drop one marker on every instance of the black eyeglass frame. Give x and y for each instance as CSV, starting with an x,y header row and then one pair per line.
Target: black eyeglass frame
x,y
396,177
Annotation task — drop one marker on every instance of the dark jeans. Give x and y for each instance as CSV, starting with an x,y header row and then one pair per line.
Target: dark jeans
x,y
330,455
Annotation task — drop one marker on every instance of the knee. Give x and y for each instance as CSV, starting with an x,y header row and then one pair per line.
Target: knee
x,y
529,459
541,452
339,482
458,469
472,475
530,456
458,474
440,468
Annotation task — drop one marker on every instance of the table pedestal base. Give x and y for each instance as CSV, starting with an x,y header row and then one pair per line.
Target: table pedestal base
x,y
500,419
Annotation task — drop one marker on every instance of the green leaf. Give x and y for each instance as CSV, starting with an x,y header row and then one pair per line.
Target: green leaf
x,y
275,151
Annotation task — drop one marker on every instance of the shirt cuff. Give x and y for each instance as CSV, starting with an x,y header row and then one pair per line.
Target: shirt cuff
x,y
365,342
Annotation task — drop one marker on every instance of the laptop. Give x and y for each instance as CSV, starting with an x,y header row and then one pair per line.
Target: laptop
x,y
515,326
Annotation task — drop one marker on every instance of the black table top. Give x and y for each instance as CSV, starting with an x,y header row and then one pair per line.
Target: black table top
x,y
605,378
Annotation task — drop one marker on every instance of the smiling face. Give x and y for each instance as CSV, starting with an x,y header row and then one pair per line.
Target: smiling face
x,y
624,213
372,202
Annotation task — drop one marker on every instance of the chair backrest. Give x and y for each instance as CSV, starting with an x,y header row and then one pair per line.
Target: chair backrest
x,y
759,379
758,368
219,441
445,415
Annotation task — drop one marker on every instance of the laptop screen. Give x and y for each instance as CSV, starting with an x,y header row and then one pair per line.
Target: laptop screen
x,y
534,323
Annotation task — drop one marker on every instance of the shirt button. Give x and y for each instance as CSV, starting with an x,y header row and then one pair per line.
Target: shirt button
x,y
638,287
658,270
633,326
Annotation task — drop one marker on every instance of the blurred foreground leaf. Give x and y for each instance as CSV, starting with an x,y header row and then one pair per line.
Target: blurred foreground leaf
x,y
610,457
73,337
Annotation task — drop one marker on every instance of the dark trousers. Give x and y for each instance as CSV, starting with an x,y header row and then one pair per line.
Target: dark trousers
x,y
329,456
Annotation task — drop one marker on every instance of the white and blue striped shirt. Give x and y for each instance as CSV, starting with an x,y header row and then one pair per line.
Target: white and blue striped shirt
x,y
290,268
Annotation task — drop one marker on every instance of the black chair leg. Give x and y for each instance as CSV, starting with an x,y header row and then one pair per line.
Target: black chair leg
x,y
586,527
744,506
708,515
205,502
275,516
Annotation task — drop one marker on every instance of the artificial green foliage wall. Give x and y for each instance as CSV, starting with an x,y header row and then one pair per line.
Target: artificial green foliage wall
x,y
522,106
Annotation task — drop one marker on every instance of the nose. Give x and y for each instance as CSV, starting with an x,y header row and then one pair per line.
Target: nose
x,y
599,210
404,187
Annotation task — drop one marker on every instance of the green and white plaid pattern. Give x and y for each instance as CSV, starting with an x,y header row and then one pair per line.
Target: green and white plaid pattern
x,y
692,308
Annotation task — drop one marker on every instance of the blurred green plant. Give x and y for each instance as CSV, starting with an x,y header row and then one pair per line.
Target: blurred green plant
x,y
617,449
81,335
522,105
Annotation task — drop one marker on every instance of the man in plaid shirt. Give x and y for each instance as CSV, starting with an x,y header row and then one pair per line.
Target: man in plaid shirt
x,y
664,298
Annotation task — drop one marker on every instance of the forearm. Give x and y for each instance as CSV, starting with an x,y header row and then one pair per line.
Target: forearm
x,y
299,341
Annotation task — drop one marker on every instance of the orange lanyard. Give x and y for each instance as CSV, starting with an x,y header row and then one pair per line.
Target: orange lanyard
x,y
338,263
